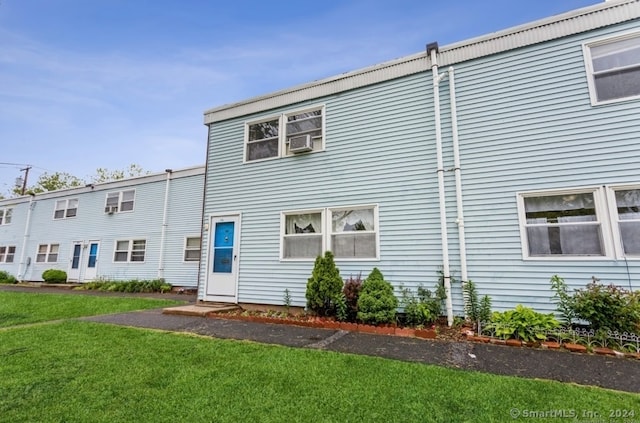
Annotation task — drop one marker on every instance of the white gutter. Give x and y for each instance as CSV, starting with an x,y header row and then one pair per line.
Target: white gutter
x,y
433,49
22,266
163,232
458,176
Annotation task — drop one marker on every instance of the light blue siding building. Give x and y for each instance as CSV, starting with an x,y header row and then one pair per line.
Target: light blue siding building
x,y
503,159
140,228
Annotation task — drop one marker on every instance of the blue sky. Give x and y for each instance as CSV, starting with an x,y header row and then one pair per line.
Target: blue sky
x,y
105,83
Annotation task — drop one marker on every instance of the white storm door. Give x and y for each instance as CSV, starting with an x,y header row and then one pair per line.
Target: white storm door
x,y
73,275
91,261
222,274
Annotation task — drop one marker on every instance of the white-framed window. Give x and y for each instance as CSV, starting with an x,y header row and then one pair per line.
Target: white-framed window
x,y
47,253
287,134
130,250
349,232
302,234
613,68
192,248
120,201
5,215
7,253
66,208
626,216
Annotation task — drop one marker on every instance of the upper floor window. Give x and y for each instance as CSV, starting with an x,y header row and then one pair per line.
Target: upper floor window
x,y
120,201
192,248
5,216
65,208
130,250
613,68
285,135
7,254
47,253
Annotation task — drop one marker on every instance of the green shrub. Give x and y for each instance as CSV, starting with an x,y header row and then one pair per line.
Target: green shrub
x,y
477,310
132,286
522,323
351,291
54,276
6,277
564,300
608,307
377,304
324,287
423,309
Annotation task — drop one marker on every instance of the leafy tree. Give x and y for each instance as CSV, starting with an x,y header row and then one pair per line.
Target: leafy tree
x,y
106,175
51,182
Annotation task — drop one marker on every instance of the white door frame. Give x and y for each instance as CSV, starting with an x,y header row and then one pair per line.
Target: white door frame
x,y
90,273
209,290
75,275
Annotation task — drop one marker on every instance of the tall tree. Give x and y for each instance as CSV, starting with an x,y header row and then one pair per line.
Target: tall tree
x,y
51,182
106,175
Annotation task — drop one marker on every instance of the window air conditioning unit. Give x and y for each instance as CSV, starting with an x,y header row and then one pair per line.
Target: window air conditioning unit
x,y
300,144
111,209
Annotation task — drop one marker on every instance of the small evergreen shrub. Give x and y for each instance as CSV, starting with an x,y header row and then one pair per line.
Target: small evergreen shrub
x,y
351,291
377,304
324,287
54,276
6,277
522,323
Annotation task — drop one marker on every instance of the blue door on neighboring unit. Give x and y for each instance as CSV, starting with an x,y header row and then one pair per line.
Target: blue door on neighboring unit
x,y
221,276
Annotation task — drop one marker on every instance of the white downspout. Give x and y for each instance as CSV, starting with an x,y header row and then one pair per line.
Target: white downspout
x,y
458,176
22,266
433,49
163,232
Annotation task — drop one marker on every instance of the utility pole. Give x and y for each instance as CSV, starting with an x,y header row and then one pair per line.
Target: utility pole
x,y
24,182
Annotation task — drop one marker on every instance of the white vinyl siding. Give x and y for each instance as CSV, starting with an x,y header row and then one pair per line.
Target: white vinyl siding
x,y
613,68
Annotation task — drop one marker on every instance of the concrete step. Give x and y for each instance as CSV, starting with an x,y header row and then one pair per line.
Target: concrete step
x,y
200,310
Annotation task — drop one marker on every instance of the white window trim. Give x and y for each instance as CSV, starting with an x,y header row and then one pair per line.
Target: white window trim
x,y
602,213
3,256
323,225
129,250
613,211
327,231
47,254
120,195
586,53
4,211
184,249
65,209
282,132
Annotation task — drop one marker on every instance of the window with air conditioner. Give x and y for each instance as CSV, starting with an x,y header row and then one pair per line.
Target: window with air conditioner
x,y
613,68
287,134
121,201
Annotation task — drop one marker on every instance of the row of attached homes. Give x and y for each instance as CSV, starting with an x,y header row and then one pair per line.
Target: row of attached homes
x,y
503,159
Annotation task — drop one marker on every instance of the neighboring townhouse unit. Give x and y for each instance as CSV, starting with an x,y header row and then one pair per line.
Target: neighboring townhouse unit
x,y
503,159
140,228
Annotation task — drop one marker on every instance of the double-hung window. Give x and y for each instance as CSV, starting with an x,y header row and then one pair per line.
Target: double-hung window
x,y
65,209
5,216
613,68
47,253
7,254
348,232
287,134
627,217
120,201
130,250
192,248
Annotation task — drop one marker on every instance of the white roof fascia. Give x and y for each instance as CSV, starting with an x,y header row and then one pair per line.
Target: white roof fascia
x,y
558,26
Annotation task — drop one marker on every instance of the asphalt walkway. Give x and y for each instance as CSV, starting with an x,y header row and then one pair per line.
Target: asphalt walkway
x,y
621,374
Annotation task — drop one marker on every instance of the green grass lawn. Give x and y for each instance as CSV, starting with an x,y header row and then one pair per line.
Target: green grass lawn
x,y
18,308
74,371
77,371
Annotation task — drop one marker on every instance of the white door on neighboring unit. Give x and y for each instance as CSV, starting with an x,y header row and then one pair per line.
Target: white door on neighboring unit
x,y
73,275
222,272
91,268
